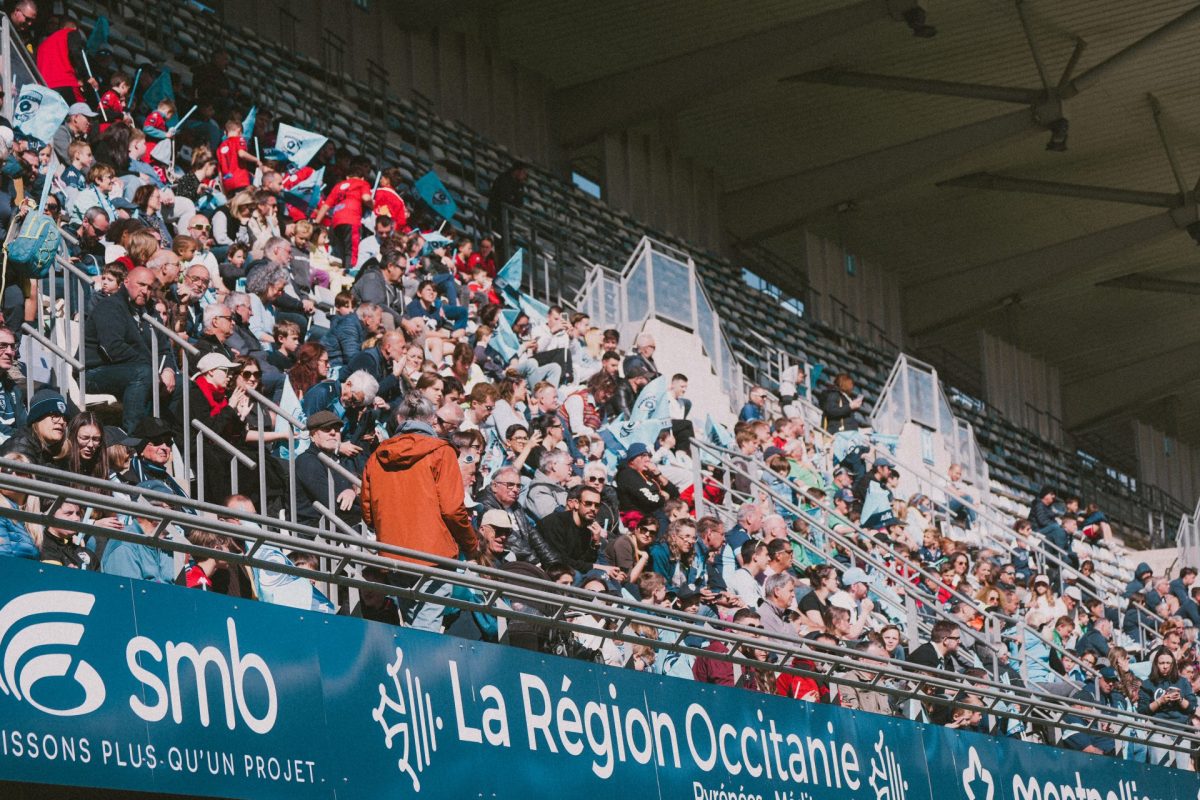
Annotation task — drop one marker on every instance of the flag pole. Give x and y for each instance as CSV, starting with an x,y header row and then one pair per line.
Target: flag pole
x,y
99,100
184,118
137,76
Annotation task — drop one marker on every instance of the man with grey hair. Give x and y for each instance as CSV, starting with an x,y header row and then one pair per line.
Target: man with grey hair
x,y
347,332
774,526
642,357
218,328
779,594
870,656
547,492
293,302
502,493
749,523
412,496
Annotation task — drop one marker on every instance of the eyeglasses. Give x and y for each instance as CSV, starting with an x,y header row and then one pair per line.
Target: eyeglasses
x,y
162,441
507,484
7,346
200,227
199,280
590,503
250,374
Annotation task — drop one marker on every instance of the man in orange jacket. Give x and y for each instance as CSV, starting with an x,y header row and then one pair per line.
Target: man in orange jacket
x,y
412,496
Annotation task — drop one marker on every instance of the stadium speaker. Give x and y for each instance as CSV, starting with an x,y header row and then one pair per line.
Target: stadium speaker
x,y
915,18
1058,135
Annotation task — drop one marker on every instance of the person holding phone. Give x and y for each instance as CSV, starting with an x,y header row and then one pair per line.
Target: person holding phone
x,y
1166,695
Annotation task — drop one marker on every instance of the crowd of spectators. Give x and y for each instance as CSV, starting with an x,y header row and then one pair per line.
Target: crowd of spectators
x,y
418,400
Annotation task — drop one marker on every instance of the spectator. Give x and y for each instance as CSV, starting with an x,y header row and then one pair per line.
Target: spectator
x,y
345,204
631,552
117,349
151,441
547,492
501,494
507,193
85,453
958,501
677,558
15,539
44,441
74,128
1167,696
938,652
58,543
840,407
642,357
318,483
722,672
641,488
744,583
347,333
412,496
863,699
754,409
132,559
572,537
779,595
217,331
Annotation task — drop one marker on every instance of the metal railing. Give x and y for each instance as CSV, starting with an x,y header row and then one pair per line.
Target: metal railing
x,y
568,609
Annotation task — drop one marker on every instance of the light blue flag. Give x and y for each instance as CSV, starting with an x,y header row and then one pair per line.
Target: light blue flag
x,y
160,90
248,123
717,434
284,588
435,239
510,275
306,195
623,434
98,39
429,187
652,402
536,309
298,144
39,113
504,340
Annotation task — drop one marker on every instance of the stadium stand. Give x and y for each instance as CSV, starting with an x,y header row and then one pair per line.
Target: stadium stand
x,y
255,403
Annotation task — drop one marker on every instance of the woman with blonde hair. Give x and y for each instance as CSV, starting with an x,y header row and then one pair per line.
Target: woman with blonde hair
x,y
230,224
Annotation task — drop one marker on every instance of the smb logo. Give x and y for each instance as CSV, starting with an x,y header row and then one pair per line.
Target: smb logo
x,y
21,633
405,714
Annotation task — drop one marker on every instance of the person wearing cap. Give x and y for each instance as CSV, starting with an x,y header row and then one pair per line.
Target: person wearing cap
x,y
496,527
641,358
132,559
1104,690
412,496
216,402
151,441
880,471
854,599
876,495
74,129
1097,639
641,488
43,442
313,476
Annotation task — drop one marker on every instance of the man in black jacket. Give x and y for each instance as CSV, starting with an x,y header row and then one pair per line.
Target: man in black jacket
x,y
312,475
502,494
938,652
383,362
117,349
571,537
382,284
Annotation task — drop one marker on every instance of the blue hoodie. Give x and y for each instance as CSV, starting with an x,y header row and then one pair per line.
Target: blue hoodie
x,y
140,561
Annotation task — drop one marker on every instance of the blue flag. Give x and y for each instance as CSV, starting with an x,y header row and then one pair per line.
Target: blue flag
x,y
621,434
98,39
160,90
38,113
510,275
429,187
652,401
299,145
306,195
536,309
248,123
717,434
504,340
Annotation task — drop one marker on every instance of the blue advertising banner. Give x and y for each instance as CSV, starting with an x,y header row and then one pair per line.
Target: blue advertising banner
x,y
134,686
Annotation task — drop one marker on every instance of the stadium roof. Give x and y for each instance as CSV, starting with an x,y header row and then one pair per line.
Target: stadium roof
x,y
863,164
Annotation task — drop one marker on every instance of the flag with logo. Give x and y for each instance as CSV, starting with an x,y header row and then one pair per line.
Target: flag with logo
x,y
39,112
161,89
98,39
621,434
652,401
248,123
504,339
284,588
306,193
429,187
298,144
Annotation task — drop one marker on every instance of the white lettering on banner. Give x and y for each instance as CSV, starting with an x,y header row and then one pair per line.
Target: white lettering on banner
x,y
19,679
231,671
978,784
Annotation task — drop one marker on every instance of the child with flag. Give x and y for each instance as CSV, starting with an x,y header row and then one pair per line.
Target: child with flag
x,y
232,158
388,197
155,125
112,102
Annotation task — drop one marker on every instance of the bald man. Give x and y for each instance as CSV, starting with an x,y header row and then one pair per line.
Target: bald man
x,y
384,362
117,348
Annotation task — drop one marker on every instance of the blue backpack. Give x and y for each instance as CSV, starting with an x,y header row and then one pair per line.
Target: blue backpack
x,y
31,254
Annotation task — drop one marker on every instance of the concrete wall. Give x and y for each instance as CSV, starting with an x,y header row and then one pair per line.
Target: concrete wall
x,y
1167,463
1024,388
865,304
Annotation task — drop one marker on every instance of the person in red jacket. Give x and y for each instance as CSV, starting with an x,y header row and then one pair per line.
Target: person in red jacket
x,y
112,103
60,61
708,669
233,158
413,497
345,205
387,196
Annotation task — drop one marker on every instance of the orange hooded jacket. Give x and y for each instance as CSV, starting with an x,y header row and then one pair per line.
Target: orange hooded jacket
x,y
412,496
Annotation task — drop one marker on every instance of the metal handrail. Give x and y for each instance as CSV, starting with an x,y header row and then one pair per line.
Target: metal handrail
x,y
495,585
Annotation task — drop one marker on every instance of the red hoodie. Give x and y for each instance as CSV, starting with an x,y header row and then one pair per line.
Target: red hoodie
x,y
412,495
